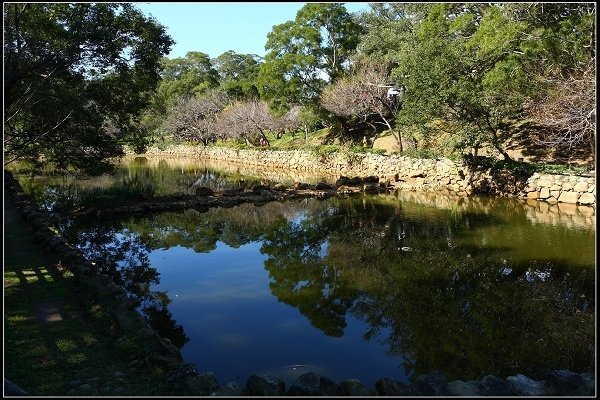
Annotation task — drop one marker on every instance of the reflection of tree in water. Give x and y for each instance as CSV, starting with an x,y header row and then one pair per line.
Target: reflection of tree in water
x,y
401,270
124,257
470,316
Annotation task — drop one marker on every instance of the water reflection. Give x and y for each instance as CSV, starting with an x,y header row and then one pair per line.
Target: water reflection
x,y
468,290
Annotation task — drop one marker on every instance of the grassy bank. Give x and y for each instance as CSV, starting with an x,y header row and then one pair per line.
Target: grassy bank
x,y
53,344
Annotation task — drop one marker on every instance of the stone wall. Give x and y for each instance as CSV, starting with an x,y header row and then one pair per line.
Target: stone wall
x,y
403,173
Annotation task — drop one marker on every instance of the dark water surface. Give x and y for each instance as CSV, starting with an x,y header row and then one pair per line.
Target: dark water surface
x,y
362,287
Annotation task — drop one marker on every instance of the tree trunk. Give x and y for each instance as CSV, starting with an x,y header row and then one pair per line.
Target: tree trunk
x,y
398,137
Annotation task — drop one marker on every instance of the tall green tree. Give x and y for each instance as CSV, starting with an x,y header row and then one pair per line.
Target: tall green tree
x,y
306,54
188,76
237,74
473,66
76,77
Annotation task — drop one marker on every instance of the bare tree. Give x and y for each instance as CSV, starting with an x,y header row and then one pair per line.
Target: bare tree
x,y
364,95
246,120
194,119
569,110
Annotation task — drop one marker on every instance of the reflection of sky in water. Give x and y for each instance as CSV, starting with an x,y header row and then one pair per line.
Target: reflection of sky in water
x,y
237,327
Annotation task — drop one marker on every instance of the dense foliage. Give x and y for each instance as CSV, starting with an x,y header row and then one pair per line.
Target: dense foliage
x,y
76,77
82,77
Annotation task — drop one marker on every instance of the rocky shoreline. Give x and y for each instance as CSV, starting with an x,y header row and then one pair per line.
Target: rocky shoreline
x,y
185,378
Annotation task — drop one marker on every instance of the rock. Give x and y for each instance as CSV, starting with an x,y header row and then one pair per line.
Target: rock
x,y
231,192
265,385
589,380
417,174
204,191
301,186
230,389
390,387
201,385
493,386
354,387
85,388
354,181
432,384
10,389
568,197
371,179
279,187
342,180
587,198
525,386
323,186
313,384
371,187
259,188
566,383
348,189
464,389
544,193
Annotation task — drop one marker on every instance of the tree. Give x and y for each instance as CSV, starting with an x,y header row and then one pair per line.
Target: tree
x,y
307,53
569,111
246,120
187,76
472,67
76,77
237,74
193,119
364,96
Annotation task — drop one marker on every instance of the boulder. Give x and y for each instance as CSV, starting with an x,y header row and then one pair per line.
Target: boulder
x,y
464,389
301,186
525,386
493,386
204,191
265,385
230,389
354,387
314,384
323,186
432,384
566,383
391,387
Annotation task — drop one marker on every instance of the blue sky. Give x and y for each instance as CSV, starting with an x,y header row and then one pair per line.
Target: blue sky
x,y
215,28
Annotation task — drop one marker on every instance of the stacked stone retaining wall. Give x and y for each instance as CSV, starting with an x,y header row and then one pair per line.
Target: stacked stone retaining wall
x,y
403,173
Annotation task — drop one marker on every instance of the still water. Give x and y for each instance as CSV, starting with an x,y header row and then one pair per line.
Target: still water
x,y
362,287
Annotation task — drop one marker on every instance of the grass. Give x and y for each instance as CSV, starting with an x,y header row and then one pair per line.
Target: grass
x,y
50,338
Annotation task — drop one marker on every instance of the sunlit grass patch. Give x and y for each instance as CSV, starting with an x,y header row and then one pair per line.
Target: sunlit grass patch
x,y
89,339
76,358
65,344
18,318
11,279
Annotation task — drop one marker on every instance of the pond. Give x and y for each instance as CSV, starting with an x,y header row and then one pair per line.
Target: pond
x,y
360,287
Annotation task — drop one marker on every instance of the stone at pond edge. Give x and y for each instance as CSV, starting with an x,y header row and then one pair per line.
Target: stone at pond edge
x,y
525,386
204,191
493,386
265,385
197,385
313,384
354,387
230,389
566,383
463,389
390,387
432,384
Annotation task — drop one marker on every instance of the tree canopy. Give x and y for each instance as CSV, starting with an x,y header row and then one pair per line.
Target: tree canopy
x,y
76,77
81,80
